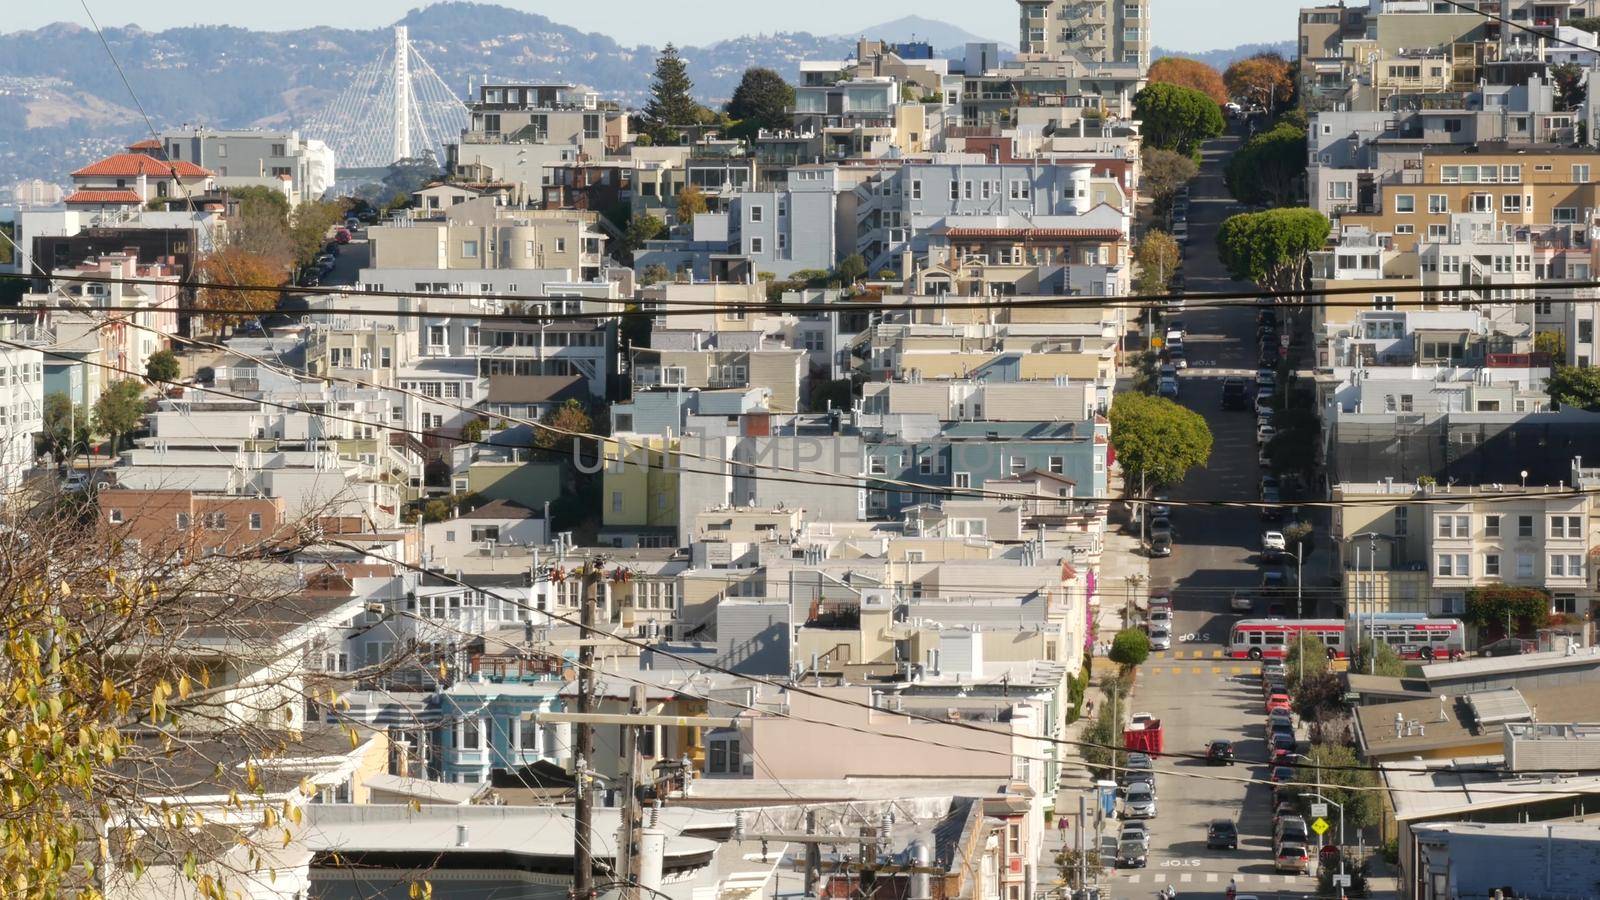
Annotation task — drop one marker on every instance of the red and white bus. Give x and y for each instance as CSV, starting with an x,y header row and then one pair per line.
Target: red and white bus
x,y
1272,638
1411,636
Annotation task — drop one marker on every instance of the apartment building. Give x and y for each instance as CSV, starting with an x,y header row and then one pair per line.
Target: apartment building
x,y
22,394
516,131
482,234
724,360
302,168
194,523
127,181
1428,553
148,311
1091,30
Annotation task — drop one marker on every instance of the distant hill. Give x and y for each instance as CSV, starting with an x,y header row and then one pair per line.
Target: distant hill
x,y
1221,59
916,28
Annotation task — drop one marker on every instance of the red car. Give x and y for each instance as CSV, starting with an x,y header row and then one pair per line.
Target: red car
x,y
342,236
1278,701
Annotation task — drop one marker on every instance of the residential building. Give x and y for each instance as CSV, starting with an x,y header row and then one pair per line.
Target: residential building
x,y
515,132
1091,30
22,397
127,181
302,168
481,234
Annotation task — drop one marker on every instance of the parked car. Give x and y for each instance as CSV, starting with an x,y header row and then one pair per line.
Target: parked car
x,y
1511,646
1219,753
1132,854
1291,858
1139,801
1168,388
1134,831
1265,434
76,482
342,236
1290,830
1161,545
1161,617
1274,670
1160,506
1277,701
1266,379
1284,809
1280,718
1273,545
1263,403
1242,601
1222,834
1160,639
1283,739
1282,774
1138,767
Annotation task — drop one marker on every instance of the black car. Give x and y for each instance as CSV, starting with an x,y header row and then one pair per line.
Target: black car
x,y
1235,394
1219,753
1139,767
1222,834
1283,739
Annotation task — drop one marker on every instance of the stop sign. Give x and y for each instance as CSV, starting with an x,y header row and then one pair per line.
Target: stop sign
x,y
1328,854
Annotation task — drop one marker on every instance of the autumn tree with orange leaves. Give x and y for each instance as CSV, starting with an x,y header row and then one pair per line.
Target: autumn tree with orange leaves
x,y
238,279
1190,73
1265,79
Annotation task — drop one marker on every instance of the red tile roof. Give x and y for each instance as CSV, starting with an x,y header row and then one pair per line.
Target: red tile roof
x,y
146,144
132,165
101,197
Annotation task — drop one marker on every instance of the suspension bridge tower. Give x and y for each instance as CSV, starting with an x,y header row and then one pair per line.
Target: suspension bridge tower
x,y
402,92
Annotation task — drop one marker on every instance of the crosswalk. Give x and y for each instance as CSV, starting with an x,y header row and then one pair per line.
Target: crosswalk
x,y
1218,664
1241,878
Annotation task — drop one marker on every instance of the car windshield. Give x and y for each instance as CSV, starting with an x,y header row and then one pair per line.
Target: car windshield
x,y
1139,791
1139,761
1283,773
1222,826
1222,745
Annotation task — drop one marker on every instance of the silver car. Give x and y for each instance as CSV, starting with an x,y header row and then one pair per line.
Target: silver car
x,y
1160,639
1139,802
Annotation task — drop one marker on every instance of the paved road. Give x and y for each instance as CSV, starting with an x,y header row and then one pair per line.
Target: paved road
x,y
1198,695
351,260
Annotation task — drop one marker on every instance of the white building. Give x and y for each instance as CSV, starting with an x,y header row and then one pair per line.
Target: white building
x,y
301,167
21,403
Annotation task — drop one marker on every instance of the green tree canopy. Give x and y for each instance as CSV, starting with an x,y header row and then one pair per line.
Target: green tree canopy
x,y
1377,658
1130,648
1157,438
671,106
119,409
1494,606
691,203
162,366
1177,118
65,426
1344,779
852,268
1158,256
1162,172
1269,167
641,228
1579,388
761,101
1272,248
570,416
1307,658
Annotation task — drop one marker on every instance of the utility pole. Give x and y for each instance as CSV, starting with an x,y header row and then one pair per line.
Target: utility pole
x,y
632,810
1083,851
593,574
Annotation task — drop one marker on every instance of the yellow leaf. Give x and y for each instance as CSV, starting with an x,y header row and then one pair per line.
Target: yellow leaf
x,y
183,687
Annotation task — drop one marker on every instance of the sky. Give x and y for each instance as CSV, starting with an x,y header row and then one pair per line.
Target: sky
x,y
1179,24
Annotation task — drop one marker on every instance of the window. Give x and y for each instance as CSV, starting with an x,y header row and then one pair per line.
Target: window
x,y
725,757
528,739
875,466
1566,565
1564,604
1566,526
1524,526
255,521
1383,301
1524,565
1019,465
1402,521
1511,203
1405,229
1438,204
1491,565
757,245
1452,526
215,521
1058,465
1491,526
955,190
182,523
469,249
757,213
1564,215
1438,232
1405,203
1339,190
916,189
1452,565
114,516
1580,174
616,501
966,190
963,479
469,736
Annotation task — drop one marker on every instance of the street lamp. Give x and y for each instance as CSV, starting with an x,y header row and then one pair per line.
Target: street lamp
x,y
1372,601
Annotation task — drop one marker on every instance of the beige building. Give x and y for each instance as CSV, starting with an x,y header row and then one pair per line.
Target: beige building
x,y
1092,30
1430,549
777,369
480,233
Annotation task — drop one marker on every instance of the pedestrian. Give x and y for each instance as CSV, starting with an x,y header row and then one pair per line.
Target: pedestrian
x,y
1233,888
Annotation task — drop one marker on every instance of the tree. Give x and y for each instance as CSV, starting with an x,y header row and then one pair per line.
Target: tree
x,y
1575,387
641,229
1307,658
1270,166
1176,118
565,419
761,101
1571,86
1163,172
309,227
1130,648
1553,344
473,431
1189,73
655,273
118,411
1345,781
1265,78
1495,607
66,426
1157,440
691,202
238,280
1158,256
852,268
1295,445
1377,658
1273,248
671,106
162,366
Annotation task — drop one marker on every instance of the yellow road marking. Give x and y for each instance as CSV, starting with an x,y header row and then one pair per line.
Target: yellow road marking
x,y
1216,670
